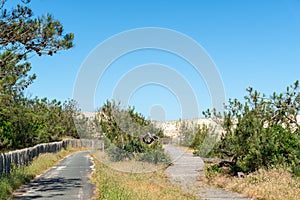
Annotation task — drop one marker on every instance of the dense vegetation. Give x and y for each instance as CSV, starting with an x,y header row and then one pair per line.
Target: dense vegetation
x,y
261,132
124,130
28,121
195,136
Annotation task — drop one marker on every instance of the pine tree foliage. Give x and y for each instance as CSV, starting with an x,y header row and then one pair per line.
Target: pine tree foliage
x,y
125,128
261,131
22,35
25,121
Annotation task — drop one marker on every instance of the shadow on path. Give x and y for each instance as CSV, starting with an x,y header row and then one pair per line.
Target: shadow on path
x,y
48,186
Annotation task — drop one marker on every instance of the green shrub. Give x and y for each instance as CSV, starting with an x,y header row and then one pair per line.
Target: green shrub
x,y
118,154
186,133
194,135
212,170
200,134
124,129
261,132
296,170
295,166
135,146
157,156
204,140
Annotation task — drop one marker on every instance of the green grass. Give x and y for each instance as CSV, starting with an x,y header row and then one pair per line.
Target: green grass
x,y
21,175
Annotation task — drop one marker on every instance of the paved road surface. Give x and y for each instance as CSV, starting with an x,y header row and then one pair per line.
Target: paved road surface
x,y
185,170
67,180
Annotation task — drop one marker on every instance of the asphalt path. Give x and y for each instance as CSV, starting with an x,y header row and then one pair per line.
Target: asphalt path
x,y
67,180
185,167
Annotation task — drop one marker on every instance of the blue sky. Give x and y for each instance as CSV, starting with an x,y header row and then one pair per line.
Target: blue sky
x,y
253,43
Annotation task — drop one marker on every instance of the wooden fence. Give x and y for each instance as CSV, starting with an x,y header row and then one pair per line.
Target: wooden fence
x,y
25,156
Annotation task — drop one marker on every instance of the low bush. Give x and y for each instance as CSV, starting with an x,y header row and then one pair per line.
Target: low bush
x,y
262,132
211,171
156,156
118,154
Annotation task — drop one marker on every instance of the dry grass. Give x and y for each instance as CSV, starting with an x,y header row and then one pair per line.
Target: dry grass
x,y
116,184
131,166
273,184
